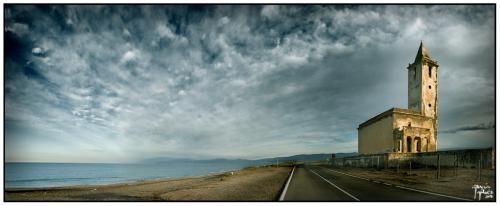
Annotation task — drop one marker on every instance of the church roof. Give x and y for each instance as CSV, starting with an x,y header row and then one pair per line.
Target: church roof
x,y
423,54
387,113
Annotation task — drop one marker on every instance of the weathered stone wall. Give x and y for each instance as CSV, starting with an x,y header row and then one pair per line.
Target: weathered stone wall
x,y
388,132
376,137
429,90
414,87
470,158
422,84
402,119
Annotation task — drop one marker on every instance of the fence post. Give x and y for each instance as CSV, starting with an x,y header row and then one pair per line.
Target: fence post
x,y
397,171
373,161
479,165
386,165
455,164
410,167
438,168
378,162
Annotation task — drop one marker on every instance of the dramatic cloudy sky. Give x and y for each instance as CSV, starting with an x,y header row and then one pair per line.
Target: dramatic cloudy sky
x,y
124,83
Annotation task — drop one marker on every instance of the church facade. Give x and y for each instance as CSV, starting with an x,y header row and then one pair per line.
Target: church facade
x,y
409,130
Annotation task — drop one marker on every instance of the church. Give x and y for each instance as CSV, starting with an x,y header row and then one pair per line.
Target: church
x,y
409,130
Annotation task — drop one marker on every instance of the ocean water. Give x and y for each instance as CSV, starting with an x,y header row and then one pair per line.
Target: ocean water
x,y
35,175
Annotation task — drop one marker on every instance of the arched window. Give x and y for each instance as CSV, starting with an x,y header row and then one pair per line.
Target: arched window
x,y
408,144
418,144
430,72
400,146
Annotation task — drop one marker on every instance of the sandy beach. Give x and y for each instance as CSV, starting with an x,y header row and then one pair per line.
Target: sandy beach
x,y
249,184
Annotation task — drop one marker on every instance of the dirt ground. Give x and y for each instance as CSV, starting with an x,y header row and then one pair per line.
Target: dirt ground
x,y
459,185
252,184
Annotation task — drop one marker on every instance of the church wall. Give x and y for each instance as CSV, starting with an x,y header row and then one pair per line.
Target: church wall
x,y
414,87
429,90
376,137
402,119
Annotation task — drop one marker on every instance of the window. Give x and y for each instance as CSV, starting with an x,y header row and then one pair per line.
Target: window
x,y
429,105
430,71
408,144
430,87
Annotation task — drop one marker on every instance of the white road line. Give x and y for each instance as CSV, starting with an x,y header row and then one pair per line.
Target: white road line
x,y
432,193
348,174
282,197
407,188
335,186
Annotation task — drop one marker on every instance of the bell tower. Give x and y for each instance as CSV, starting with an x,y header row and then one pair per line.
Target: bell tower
x,y
422,84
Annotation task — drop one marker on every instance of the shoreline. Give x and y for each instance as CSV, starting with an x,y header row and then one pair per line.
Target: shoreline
x,y
250,183
124,183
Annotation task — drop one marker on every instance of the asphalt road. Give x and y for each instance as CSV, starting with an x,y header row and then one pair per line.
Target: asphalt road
x,y
314,183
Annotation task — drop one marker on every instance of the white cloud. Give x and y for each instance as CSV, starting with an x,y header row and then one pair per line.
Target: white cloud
x,y
37,50
126,32
164,31
270,11
129,56
181,93
224,20
18,28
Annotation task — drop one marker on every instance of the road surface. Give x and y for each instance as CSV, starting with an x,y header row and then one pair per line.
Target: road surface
x,y
315,183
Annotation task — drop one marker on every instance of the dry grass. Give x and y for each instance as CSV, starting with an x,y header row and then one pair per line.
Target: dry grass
x,y
459,185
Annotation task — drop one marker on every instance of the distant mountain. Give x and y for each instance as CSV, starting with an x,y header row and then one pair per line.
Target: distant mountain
x,y
310,157
301,157
462,148
160,160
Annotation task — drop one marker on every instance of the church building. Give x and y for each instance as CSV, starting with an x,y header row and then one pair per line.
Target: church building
x,y
409,130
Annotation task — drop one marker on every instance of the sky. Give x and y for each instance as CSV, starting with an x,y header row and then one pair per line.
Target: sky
x,y
125,83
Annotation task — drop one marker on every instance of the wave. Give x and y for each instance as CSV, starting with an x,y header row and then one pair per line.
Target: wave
x,y
61,179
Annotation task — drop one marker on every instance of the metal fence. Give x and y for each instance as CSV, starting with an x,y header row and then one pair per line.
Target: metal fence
x,y
442,164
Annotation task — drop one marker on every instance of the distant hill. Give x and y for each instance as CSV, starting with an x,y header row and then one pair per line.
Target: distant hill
x,y
301,157
309,157
159,160
462,148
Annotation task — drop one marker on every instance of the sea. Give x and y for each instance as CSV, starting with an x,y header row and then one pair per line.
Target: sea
x,y
43,175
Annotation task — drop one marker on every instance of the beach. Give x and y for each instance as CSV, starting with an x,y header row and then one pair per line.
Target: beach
x,y
248,184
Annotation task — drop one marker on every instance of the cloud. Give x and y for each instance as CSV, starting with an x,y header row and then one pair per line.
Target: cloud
x,y
164,31
132,82
129,56
18,28
481,126
270,11
36,50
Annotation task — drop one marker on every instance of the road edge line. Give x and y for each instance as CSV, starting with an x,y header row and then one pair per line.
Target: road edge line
x,y
406,188
282,196
352,196
432,193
